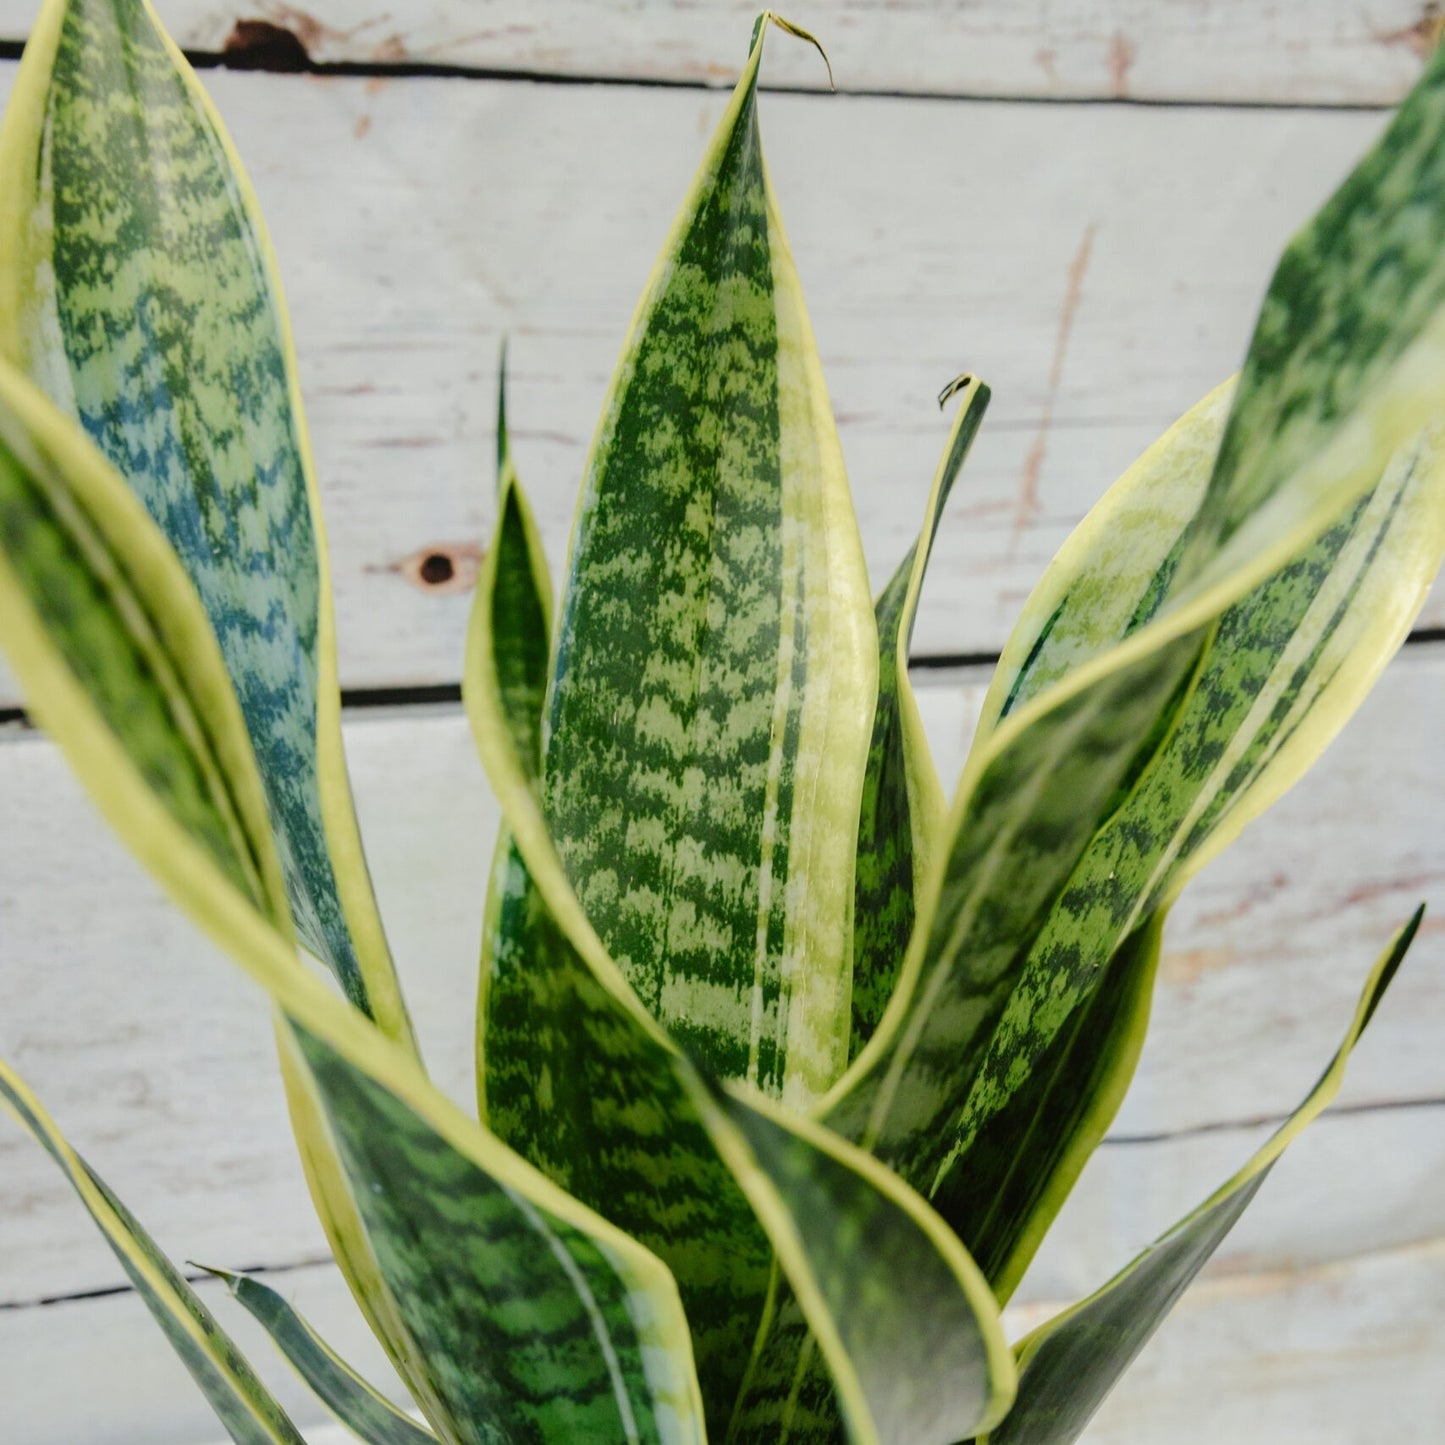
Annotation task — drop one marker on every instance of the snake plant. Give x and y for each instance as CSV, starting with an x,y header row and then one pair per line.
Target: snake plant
x,y
784,1063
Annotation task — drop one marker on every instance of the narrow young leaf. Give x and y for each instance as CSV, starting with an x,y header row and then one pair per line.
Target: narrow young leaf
x,y
584,1081
83,573
140,292
716,670
1069,1364
370,1416
903,803
1041,783
246,1408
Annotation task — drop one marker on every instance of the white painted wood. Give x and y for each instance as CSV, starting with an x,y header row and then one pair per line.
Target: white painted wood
x,y
417,220
1330,51
99,1371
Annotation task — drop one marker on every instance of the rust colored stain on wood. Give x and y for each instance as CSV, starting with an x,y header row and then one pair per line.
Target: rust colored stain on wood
x,y
1028,505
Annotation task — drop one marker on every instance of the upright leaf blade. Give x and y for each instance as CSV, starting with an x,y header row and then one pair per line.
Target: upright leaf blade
x,y
140,292
585,1082
715,674
246,1408
903,802
1069,1364
82,573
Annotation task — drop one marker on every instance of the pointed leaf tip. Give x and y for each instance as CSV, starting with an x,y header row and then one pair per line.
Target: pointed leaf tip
x,y
789,28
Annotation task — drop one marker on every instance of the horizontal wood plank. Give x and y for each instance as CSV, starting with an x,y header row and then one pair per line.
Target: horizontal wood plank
x,y
1100,266
155,1055
1330,52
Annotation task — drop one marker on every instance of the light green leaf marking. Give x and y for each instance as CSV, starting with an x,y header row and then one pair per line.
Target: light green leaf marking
x,y
1069,1364
141,293
901,1314
583,1080
1287,667
713,685
245,1407
369,1416
902,800
1042,781
109,641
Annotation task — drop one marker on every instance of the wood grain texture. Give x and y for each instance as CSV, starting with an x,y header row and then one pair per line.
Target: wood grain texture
x,y
1332,52
171,1091
417,220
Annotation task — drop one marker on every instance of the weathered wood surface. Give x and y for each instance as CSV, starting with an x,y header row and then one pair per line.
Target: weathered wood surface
x,y
1331,51
1100,266
155,1055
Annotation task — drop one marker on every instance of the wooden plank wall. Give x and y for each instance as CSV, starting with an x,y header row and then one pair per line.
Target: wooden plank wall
x,y
442,176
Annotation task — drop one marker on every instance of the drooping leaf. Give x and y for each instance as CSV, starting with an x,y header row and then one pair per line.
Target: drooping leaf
x,y
116,658
1040,784
246,1408
1286,668
140,292
585,1082
1069,1364
903,802
369,1415
715,674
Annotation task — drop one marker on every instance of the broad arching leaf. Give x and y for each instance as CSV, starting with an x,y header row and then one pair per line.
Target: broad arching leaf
x,y
139,291
716,667
511,1308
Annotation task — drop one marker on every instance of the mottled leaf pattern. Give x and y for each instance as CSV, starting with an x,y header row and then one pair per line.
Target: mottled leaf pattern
x,y
93,601
527,1323
140,293
1346,356
1068,1365
1286,668
369,1416
715,674
582,1080
902,799
246,1408
1042,781
900,1312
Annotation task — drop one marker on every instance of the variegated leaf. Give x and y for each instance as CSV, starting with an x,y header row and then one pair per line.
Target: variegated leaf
x,y
715,674
1043,781
526,1311
246,1408
1284,671
903,802
582,1079
1069,1364
369,1415
140,292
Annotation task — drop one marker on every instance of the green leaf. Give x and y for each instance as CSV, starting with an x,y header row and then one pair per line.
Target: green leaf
x,y
1069,1364
140,292
246,1408
715,674
903,803
585,1082
367,1414
1286,668
1043,781
110,643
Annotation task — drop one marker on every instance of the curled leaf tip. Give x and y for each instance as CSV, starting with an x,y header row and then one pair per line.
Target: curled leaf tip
x,y
789,28
958,384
